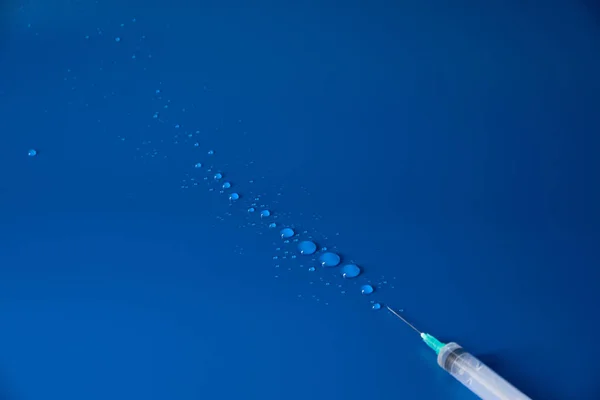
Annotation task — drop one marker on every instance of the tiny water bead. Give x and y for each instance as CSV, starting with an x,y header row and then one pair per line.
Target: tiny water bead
x,y
226,185
198,165
366,289
376,306
211,152
307,247
218,176
234,196
286,233
311,269
272,225
350,271
329,260
251,210
265,213
32,153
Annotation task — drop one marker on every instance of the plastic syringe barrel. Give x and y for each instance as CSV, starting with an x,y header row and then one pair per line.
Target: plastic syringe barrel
x,y
475,375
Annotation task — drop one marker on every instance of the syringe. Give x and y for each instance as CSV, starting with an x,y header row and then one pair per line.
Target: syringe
x,y
468,370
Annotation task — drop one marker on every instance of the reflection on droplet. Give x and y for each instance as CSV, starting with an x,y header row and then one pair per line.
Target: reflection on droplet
x,y
366,289
350,271
307,247
329,259
286,233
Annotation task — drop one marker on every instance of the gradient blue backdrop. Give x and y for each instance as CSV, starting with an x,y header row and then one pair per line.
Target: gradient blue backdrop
x,y
453,147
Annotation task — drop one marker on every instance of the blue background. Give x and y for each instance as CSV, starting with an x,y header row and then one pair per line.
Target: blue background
x,y
450,151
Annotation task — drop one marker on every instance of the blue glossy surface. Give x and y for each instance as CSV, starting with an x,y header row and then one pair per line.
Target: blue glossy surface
x,y
452,154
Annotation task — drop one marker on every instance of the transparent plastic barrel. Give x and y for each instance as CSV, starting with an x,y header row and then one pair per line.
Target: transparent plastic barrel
x,y
475,375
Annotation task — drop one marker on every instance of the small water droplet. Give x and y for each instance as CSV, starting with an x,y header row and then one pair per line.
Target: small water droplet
x,y
211,152
329,260
287,233
350,271
265,213
251,210
32,153
376,306
307,247
272,225
366,289
234,196
218,176
117,39
198,165
226,185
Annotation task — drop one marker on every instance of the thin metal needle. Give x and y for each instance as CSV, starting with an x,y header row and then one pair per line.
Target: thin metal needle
x,y
405,321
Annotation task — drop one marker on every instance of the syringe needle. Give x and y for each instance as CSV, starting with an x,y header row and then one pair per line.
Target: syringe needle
x,y
403,320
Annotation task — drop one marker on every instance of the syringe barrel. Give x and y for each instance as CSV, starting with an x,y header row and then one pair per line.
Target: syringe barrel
x,y
475,375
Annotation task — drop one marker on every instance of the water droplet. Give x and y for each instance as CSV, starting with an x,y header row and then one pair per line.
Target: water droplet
x,y
32,153
329,259
311,269
218,176
265,213
251,210
307,247
211,152
198,165
287,233
117,39
350,271
272,225
195,144
376,306
226,185
177,126
366,289
234,196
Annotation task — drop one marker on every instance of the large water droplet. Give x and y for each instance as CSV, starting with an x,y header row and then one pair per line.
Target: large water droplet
x,y
307,247
286,233
234,196
366,289
376,306
265,213
350,271
32,153
329,259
